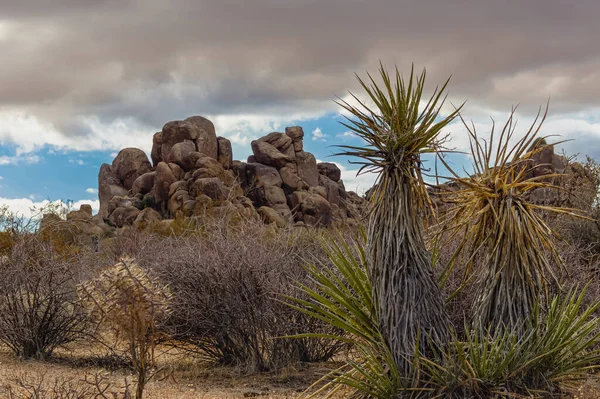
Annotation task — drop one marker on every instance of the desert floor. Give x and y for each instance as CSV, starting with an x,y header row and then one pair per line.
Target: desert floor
x,y
184,377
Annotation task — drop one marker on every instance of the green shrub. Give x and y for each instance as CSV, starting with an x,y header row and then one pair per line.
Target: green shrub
x,y
342,297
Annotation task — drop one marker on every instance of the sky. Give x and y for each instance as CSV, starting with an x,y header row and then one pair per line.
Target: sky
x,y
82,79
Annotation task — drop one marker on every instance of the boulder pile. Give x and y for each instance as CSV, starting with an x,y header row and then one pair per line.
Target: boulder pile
x,y
193,172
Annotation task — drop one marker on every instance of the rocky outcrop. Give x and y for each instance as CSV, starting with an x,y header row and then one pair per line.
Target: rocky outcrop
x,y
194,173
576,188
80,227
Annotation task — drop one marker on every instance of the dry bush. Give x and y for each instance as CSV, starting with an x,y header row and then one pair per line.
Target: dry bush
x,y
39,310
35,385
131,303
227,284
584,194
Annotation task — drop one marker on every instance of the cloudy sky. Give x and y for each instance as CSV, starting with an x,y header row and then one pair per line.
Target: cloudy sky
x,y
81,79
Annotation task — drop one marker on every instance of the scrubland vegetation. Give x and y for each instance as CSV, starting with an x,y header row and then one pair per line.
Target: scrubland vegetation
x,y
485,293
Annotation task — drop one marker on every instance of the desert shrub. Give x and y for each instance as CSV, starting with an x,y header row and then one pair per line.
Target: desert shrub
x,y
131,303
227,286
39,309
583,188
35,385
7,241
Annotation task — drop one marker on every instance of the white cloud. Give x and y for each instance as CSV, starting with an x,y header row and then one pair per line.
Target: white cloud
x,y
1,178
91,190
28,208
77,161
582,131
29,134
346,135
243,128
19,159
318,135
357,183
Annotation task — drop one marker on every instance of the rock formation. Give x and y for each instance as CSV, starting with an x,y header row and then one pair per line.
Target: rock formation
x,y
193,172
577,186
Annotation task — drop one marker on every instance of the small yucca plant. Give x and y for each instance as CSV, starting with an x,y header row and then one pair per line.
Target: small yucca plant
x,y
341,296
131,303
558,349
398,130
502,230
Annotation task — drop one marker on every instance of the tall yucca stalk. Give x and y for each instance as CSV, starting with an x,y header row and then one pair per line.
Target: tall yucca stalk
x,y
408,302
502,230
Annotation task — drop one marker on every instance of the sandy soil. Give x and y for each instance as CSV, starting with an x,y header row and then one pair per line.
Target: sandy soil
x,y
184,378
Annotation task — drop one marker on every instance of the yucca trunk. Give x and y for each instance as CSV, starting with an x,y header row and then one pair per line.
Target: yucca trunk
x,y
508,289
408,301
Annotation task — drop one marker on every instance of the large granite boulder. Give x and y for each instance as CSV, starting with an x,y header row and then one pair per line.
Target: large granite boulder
x,y
196,129
268,154
307,168
290,178
162,181
130,164
109,186
180,154
258,174
311,208
225,152
330,170
143,184
297,135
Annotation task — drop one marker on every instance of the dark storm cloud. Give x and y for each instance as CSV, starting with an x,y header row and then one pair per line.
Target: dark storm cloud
x,y
154,61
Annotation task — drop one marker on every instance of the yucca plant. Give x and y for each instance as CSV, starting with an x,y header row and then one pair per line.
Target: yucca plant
x,y
398,129
557,350
502,229
341,296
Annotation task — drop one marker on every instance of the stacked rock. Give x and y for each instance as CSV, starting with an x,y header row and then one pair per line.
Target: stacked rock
x,y
193,171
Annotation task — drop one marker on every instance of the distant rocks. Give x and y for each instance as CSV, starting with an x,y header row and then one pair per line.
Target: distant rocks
x,y
574,181
193,173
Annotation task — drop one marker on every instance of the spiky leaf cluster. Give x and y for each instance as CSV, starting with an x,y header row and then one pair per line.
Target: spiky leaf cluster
x,y
503,230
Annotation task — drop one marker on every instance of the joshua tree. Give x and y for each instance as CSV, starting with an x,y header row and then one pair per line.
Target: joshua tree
x,y
398,130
